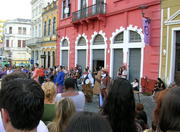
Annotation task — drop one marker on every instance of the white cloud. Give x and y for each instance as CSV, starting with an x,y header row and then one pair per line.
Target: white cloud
x,y
11,9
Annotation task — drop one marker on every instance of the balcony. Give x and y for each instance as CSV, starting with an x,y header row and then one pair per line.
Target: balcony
x,y
90,12
33,42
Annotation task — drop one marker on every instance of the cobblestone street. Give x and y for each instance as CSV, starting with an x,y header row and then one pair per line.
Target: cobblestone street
x,y
146,100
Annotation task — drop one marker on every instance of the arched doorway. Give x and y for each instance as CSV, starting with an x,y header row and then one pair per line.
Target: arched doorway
x,y
98,53
81,52
117,53
64,53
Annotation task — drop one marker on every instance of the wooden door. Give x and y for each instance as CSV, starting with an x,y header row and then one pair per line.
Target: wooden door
x,y
177,65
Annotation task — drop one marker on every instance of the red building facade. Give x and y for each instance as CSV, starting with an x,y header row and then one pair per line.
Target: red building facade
x,y
109,33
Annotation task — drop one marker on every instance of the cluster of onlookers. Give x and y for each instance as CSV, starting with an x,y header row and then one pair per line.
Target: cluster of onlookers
x,y
26,106
55,105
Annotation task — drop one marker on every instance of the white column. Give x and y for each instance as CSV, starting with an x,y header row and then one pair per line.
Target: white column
x,y
35,61
51,58
40,59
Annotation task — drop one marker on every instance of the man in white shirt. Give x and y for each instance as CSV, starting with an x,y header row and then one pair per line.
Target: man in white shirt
x,y
21,105
15,75
41,126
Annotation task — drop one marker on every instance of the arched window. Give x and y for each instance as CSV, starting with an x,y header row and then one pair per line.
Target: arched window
x,y
134,37
54,25
119,38
49,27
82,42
65,43
99,40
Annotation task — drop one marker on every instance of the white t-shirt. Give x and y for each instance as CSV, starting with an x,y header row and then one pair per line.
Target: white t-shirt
x,y
41,127
124,74
79,100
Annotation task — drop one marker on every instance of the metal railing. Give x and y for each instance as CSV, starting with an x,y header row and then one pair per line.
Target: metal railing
x,y
33,41
96,9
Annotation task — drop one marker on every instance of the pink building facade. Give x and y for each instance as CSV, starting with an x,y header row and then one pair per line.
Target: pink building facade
x,y
109,33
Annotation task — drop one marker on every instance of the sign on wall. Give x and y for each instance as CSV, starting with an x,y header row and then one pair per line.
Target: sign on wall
x,y
43,56
146,30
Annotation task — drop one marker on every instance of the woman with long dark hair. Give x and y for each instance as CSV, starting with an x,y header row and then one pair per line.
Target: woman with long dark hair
x,y
119,107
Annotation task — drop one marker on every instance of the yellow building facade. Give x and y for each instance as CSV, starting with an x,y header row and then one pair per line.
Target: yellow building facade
x,y
48,45
169,69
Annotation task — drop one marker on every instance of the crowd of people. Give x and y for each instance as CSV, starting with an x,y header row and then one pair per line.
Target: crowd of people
x,y
50,100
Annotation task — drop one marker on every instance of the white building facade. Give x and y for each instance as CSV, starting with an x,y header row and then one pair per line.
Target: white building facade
x,y
16,32
36,33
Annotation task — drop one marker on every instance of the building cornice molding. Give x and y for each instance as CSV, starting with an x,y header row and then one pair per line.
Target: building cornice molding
x,y
135,7
46,48
171,20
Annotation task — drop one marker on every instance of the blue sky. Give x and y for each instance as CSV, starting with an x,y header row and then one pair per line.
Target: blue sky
x,y
11,9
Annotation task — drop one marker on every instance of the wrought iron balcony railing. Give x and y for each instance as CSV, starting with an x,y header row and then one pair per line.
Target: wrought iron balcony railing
x,y
96,9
